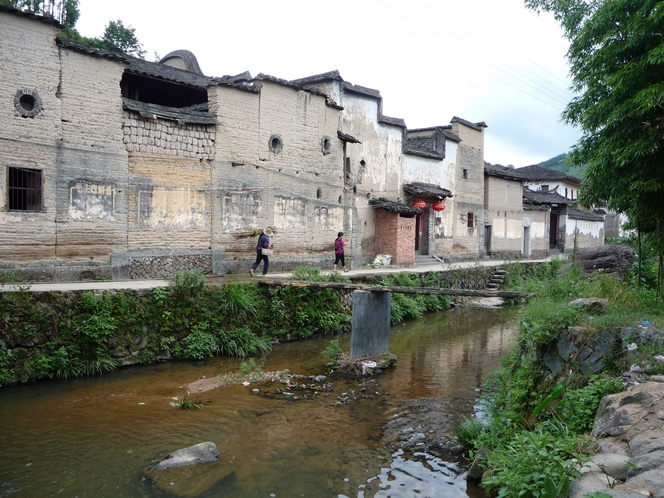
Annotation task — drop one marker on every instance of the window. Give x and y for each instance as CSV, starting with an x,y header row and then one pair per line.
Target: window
x,y
545,188
565,191
326,145
572,197
276,144
28,103
471,220
464,173
25,189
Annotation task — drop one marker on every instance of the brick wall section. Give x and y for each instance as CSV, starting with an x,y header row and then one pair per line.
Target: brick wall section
x,y
161,136
503,200
396,236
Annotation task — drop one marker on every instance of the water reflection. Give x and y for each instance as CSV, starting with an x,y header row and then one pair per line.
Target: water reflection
x,y
94,437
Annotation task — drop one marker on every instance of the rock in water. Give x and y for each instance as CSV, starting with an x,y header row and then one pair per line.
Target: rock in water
x,y
199,453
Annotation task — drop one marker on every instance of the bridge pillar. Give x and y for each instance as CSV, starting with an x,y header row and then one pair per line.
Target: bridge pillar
x,y
370,334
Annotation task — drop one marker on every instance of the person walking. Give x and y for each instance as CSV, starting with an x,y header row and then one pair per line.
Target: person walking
x,y
263,246
339,247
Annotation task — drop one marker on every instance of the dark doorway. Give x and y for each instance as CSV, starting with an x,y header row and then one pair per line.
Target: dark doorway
x,y
419,228
487,240
553,231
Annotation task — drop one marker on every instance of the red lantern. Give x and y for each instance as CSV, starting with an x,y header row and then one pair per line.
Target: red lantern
x,y
438,206
419,204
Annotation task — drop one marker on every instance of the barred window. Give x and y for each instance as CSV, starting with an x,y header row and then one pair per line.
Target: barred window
x,y
471,220
25,189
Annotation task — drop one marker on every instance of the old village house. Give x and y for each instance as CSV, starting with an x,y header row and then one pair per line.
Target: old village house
x,y
111,166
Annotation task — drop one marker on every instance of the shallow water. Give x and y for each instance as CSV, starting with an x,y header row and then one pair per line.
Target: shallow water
x,y
95,436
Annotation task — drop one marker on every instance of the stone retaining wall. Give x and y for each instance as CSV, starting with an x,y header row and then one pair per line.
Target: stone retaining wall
x,y
164,266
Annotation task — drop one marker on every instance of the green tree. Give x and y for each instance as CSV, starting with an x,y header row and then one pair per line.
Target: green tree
x,y
65,11
616,58
120,38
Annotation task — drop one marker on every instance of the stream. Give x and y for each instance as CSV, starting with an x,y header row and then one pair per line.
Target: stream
x,y
383,436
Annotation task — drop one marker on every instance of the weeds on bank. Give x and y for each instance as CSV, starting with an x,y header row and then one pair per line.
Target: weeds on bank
x,y
84,333
535,427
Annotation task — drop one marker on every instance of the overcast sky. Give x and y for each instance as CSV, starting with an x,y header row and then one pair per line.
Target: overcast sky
x,y
481,60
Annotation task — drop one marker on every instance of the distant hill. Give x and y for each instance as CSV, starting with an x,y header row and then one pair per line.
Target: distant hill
x,y
558,164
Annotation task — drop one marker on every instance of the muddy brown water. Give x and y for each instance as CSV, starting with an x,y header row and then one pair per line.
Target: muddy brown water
x,y
95,436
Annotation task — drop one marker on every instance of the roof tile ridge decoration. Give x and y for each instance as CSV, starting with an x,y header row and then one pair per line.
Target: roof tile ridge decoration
x,y
90,50
477,126
188,57
196,114
30,14
316,78
394,206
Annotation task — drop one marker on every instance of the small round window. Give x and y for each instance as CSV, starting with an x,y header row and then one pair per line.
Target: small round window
x,y
28,103
326,145
276,144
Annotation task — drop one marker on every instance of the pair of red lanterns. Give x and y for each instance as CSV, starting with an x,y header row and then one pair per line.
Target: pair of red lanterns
x,y
436,206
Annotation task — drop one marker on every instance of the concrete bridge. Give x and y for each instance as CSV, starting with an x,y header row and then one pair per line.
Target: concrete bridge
x,y
370,333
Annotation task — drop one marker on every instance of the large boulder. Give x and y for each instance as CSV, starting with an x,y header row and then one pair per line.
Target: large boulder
x,y
194,455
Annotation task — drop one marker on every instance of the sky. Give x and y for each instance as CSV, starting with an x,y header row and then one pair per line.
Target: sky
x,y
481,60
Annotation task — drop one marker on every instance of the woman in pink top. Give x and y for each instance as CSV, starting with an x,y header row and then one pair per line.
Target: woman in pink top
x,y
339,245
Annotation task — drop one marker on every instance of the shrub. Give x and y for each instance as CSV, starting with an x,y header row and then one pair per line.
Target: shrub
x,y
242,342
200,344
579,406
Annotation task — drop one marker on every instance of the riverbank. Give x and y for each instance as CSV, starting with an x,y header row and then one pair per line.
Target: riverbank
x,y
581,342
364,272
90,328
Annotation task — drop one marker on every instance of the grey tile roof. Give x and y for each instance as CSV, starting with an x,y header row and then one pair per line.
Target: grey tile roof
x,y
422,146
31,15
363,90
391,121
477,126
90,50
316,78
577,214
541,198
197,114
281,81
426,189
444,130
537,173
501,171
394,206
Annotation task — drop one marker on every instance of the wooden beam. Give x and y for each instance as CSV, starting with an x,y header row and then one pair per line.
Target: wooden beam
x,y
399,289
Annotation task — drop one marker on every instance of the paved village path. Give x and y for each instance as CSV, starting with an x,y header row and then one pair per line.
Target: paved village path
x,y
152,283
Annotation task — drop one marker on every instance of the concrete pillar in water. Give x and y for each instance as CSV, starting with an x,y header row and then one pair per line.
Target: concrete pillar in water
x,y
371,324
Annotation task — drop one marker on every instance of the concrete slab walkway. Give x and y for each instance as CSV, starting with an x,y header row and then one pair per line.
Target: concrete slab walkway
x,y
150,284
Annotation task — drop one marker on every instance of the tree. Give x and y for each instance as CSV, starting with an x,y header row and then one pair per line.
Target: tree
x,y
120,38
616,58
65,11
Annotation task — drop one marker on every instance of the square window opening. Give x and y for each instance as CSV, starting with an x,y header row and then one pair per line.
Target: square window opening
x,y
24,189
